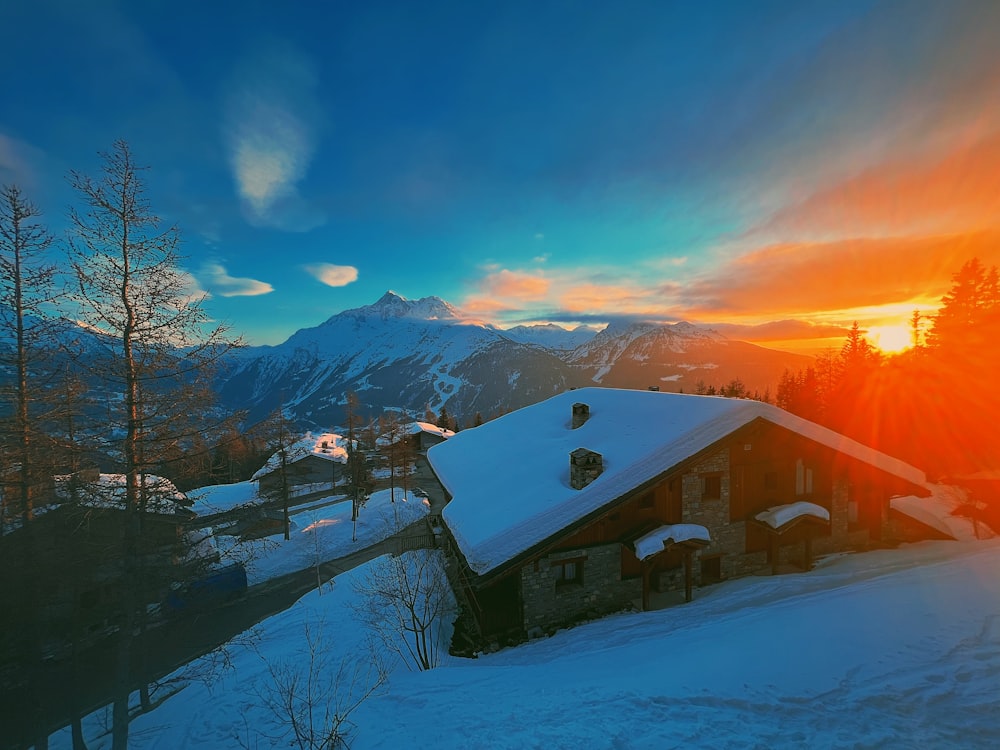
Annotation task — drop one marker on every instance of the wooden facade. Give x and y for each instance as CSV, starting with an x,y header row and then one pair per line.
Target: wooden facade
x,y
590,568
309,469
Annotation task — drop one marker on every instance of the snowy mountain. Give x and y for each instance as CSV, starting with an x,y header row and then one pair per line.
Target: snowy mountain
x,y
677,356
415,353
396,352
552,336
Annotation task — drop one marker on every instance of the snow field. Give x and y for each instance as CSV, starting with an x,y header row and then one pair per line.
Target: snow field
x,y
887,649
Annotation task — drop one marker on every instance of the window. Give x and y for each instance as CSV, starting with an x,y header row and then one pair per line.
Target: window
x,y
803,479
711,487
568,572
711,569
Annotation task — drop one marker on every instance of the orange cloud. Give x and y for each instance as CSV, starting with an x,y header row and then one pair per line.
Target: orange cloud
x,y
959,191
516,284
798,278
485,306
614,299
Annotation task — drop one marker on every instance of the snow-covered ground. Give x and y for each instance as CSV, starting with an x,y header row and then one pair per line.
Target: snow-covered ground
x,y
323,532
895,648
219,498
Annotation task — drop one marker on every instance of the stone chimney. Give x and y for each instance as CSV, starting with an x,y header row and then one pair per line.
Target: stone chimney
x,y
584,466
581,413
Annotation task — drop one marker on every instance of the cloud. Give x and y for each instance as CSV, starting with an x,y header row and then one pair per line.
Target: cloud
x,y
516,284
271,133
16,162
781,330
807,278
332,275
576,295
218,280
957,190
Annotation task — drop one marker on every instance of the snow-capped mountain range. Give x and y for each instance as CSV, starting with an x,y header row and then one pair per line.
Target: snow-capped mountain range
x,y
411,354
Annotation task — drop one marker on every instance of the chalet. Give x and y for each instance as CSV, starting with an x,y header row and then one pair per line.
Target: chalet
x,y
314,462
591,501
419,435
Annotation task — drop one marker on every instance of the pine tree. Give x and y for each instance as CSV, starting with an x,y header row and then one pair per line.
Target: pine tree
x,y
444,419
968,315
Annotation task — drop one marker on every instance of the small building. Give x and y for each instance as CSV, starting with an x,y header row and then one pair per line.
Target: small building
x,y
420,436
76,552
312,463
596,499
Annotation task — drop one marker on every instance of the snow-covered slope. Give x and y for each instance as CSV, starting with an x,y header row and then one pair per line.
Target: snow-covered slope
x,y
889,649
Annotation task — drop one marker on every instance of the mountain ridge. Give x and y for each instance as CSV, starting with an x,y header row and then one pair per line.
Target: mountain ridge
x,y
426,353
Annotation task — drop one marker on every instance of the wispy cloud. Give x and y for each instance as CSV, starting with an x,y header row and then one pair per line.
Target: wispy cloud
x,y
271,136
218,280
957,190
517,284
332,275
16,162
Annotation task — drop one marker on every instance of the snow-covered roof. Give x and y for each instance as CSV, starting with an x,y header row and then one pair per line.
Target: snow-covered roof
x,y
939,512
415,428
509,478
655,541
780,515
108,491
326,445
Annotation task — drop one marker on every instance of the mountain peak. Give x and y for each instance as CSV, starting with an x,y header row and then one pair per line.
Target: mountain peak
x,y
393,305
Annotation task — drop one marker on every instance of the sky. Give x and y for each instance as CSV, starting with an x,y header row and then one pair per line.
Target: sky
x,y
776,170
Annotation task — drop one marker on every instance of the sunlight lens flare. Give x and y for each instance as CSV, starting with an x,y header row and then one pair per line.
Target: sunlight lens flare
x,y
891,339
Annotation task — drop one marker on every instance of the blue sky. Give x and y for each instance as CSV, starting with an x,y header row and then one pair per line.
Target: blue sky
x,y
776,169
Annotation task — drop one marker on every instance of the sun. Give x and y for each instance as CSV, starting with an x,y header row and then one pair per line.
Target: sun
x,y
891,339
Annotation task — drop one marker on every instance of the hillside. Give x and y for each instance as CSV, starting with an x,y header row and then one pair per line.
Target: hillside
x,y
892,648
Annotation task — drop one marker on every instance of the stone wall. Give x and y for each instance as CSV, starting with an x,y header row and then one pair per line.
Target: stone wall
x,y
729,537
549,605
841,536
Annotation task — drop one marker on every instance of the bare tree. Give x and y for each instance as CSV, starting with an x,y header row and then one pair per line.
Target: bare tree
x,y
311,698
405,600
26,289
157,346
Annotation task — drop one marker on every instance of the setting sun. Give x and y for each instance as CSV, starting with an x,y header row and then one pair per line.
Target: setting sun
x,y
891,339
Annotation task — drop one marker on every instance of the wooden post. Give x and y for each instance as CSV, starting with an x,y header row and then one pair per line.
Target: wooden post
x,y
647,570
687,574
